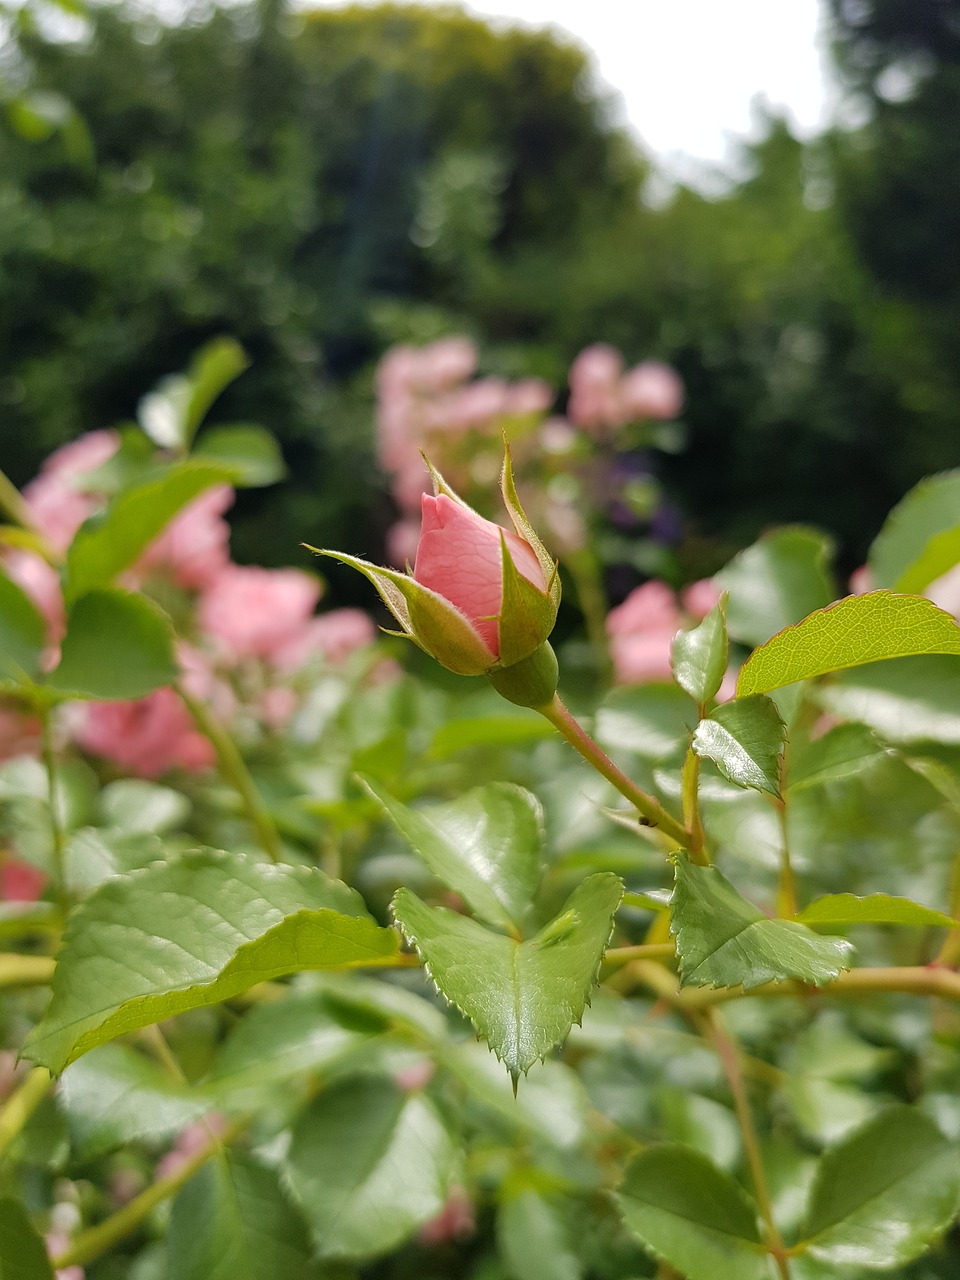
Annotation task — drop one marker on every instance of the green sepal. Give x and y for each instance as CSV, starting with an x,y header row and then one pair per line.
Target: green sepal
x,y
526,530
530,683
527,614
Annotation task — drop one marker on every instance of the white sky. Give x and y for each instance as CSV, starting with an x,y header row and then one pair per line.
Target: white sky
x,y
687,70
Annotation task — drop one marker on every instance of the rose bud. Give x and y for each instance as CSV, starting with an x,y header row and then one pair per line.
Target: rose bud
x,y
481,599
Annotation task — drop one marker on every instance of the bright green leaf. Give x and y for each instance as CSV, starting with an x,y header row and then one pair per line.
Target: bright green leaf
x,y
133,804
522,997
941,555
534,1238
876,908
22,1252
884,1193
688,1212
850,633
369,1164
928,510
111,542
94,854
744,739
248,454
233,1221
179,935
724,941
23,635
172,412
776,582
118,645
699,657
487,845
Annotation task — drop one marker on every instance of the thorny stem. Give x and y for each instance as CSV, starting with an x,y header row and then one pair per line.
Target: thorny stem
x,y
787,905
651,809
56,827
690,793
25,971
643,951
21,1105
729,1055
234,769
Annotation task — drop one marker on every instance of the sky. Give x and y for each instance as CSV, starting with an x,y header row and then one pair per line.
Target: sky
x,y
688,70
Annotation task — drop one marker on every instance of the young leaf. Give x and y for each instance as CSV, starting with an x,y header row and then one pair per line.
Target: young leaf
x,y
724,941
171,414
534,1238
22,1253
118,645
248,454
23,635
369,1164
522,997
876,908
850,633
487,845
111,542
744,739
699,657
179,935
884,1193
232,1221
928,510
693,1216
779,580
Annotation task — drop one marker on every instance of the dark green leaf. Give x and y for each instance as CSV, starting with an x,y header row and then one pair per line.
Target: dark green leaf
x,y
232,1221
183,934
686,1211
118,646
534,1238
369,1164
884,1193
22,1254
487,845
776,582
850,633
744,739
724,941
699,657
249,455
876,908
929,509
522,997
23,635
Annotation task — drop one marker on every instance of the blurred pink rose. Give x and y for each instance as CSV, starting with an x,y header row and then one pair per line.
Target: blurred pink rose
x,y
455,1221
402,540
861,581
194,547
444,363
20,881
651,390
41,582
594,380
56,501
641,632
415,1077
527,397
276,705
19,733
335,635
190,1142
700,597
255,613
148,736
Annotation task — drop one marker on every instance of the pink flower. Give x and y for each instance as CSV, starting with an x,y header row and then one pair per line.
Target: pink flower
x,y
19,733
459,557
194,547
148,736
455,1221
334,635
57,503
20,881
527,397
700,597
594,381
41,582
651,390
861,581
641,632
444,363
256,613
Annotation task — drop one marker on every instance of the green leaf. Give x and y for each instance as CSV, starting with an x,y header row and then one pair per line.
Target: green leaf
x,y
533,1236
487,845
118,645
776,582
876,908
692,1215
133,804
232,1221
724,941
179,935
884,1193
842,752
94,854
501,731
744,739
172,412
248,454
23,635
928,510
850,633
906,700
115,1095
652,721
522,997
699,657
111,542
941,555
369,1164
22,1252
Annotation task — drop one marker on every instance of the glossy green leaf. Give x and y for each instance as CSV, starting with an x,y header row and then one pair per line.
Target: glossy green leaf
x,y
884,1193
842,752
111,542
94,854
941,554
699,657
695,1217
522,997
850,633
249,454
653,721
779,580
172,412
744,739
928,510
116,1095
724,941
118,646
179,935
534,1238
876,908
905,700
22,1252
133,804
369,1164
23,635
233,1221
487,845
501,731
